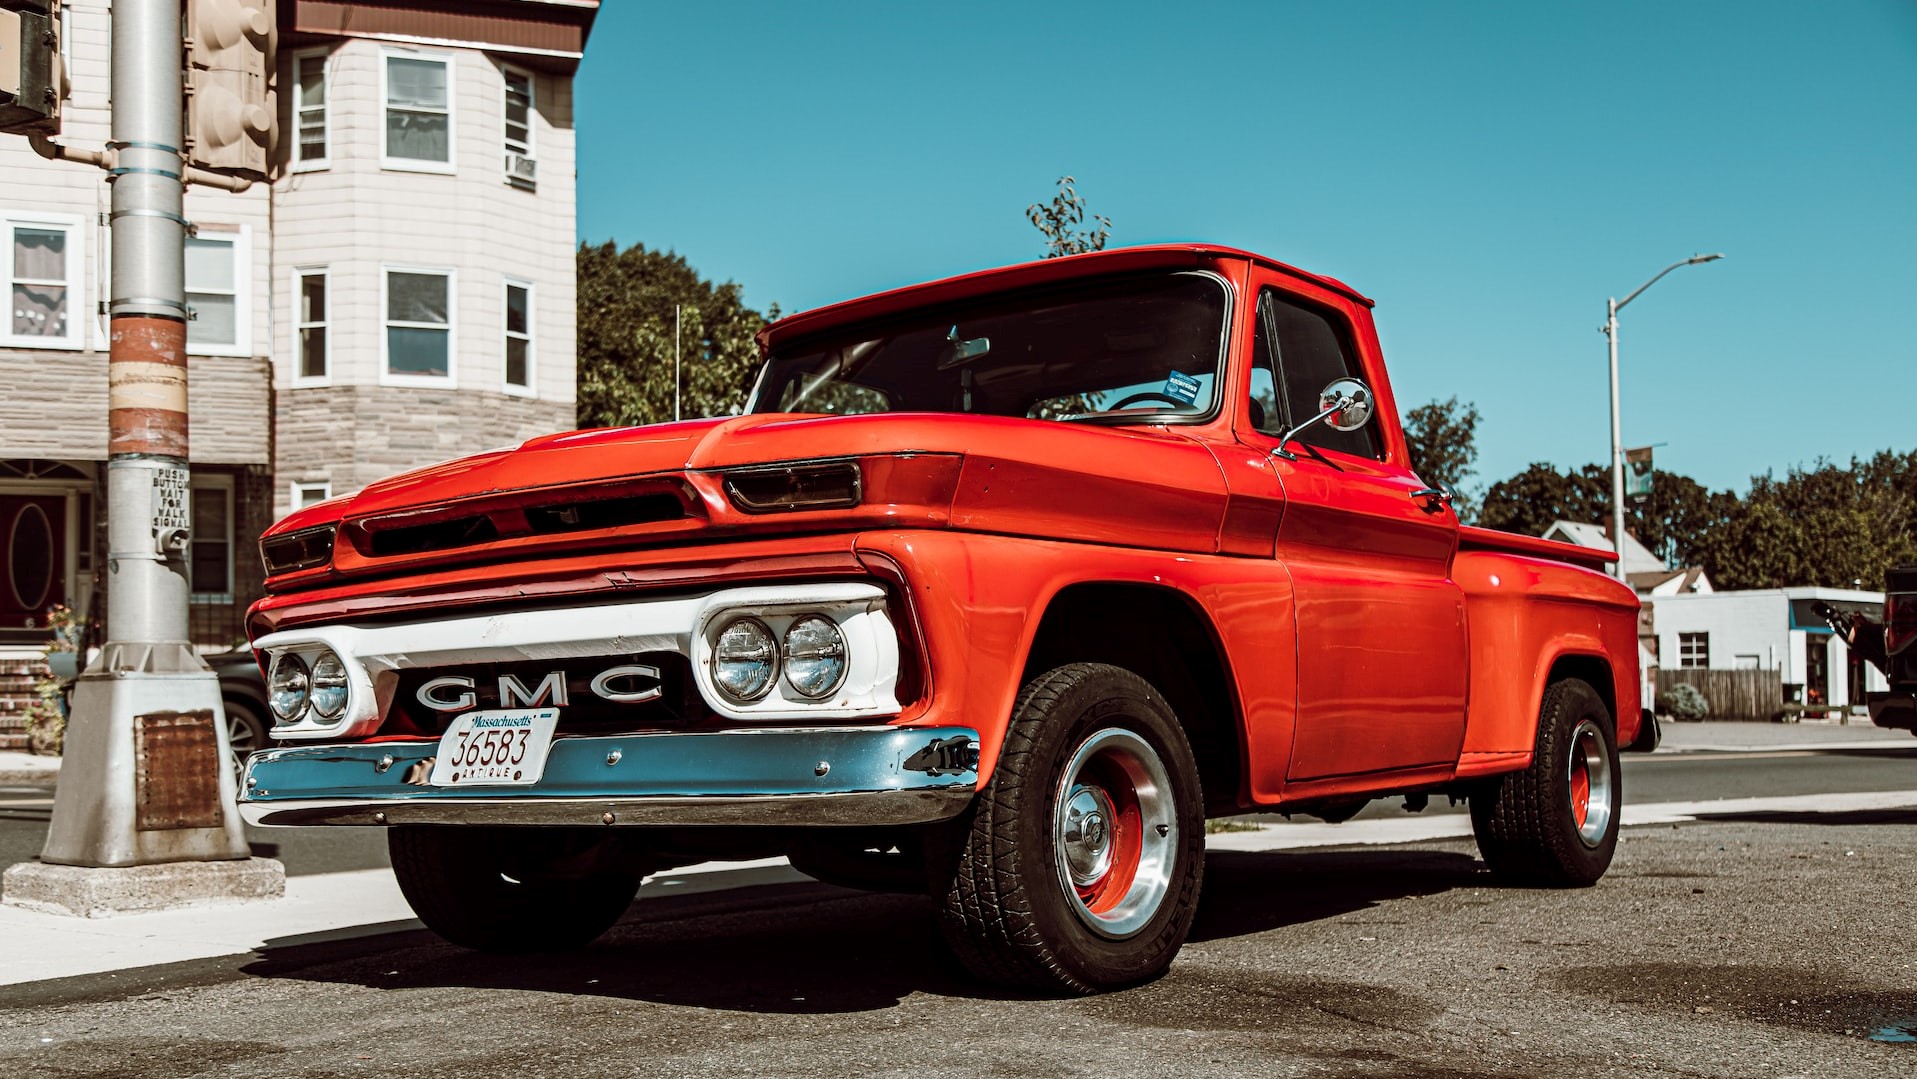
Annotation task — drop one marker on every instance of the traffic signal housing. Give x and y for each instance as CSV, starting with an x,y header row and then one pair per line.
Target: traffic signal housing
x,y
29,67
231,118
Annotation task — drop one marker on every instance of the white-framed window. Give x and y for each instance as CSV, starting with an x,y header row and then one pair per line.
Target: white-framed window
x,y
310,494
209,552
312,125
312,308
43,262
216,292
519,337
1693,650
417,88
521,168
416,348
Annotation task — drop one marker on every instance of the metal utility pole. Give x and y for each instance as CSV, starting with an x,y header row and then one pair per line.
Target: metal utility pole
x,y
1611,307
675,362
146,777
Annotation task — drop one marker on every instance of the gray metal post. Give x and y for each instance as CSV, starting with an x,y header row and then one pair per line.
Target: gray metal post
x,y
1611,308
1617,444
146,776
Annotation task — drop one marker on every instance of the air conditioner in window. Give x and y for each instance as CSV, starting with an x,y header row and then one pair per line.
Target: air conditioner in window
x,y
521,170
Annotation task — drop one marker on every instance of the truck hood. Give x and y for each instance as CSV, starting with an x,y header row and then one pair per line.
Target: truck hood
x,y
1148,487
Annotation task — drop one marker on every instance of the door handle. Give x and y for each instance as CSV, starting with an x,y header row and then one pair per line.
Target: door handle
x,y
1431,499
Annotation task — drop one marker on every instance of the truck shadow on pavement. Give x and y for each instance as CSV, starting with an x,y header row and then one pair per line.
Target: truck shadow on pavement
x,y
804,948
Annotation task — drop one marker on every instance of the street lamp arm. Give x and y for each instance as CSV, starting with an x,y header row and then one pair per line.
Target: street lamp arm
x,y
1692,261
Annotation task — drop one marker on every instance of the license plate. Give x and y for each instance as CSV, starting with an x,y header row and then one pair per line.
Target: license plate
x,y
503,747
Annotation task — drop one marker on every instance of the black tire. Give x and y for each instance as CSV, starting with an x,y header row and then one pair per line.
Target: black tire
x,y
513,890
1028,901
1532,827
246,732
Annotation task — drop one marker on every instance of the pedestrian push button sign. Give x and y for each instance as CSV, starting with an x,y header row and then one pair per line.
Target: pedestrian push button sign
x,y
172,512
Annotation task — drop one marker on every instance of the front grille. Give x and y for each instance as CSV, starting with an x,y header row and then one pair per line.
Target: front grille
x,y
677,706
437,536
551,513
605,513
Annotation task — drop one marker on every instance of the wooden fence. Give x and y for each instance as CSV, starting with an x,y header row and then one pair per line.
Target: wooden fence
x,y
1742,694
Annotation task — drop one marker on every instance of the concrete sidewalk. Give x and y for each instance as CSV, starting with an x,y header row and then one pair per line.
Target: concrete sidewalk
x,y
1708,737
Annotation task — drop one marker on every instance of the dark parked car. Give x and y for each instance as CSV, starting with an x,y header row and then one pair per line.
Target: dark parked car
x,y
243,691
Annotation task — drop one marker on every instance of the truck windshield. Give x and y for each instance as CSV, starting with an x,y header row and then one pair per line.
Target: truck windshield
x,y
1140,349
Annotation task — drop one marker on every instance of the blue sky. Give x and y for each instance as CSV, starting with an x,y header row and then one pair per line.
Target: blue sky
x,y
1488,172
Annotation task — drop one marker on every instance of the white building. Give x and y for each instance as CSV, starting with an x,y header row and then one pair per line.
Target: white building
x,y
401,294
1767,629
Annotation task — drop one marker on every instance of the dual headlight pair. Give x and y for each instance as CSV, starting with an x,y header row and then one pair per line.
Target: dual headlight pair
x,y
293,686
747,658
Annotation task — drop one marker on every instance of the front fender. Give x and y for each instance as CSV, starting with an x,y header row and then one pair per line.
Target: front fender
x,y
980,600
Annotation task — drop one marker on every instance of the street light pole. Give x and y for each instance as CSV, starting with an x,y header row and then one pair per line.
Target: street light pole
x,y
1611,307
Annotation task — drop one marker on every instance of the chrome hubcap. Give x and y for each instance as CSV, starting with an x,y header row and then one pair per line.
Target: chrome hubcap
x,y
1088,835
1591,784
1115,832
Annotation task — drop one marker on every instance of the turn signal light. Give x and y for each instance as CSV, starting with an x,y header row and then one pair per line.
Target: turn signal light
x,y
788,488
294,551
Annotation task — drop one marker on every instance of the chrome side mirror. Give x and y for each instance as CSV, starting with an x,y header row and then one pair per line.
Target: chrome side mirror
x,y
1345,405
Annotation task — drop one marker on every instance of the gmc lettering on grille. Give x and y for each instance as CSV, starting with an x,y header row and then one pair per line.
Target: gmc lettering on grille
x,y
634,683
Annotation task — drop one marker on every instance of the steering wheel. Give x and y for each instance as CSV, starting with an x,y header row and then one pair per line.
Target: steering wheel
x,y
1148,395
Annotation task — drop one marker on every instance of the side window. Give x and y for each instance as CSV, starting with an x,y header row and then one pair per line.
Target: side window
x,y
1267,410
1313,348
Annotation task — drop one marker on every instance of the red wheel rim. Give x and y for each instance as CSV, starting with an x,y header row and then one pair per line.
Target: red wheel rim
x,y
1115,832
1580,791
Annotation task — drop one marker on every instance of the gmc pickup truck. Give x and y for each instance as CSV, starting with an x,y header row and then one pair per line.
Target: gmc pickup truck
x,y
1000,588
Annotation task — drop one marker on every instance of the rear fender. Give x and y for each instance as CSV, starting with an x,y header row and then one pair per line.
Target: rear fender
x,y
1533,621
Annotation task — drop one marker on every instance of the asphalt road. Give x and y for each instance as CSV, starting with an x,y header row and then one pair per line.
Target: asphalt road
x,y
24,811
1740,948
1761,944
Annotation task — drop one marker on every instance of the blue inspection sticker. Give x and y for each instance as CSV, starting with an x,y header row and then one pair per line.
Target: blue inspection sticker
x,y
1181,387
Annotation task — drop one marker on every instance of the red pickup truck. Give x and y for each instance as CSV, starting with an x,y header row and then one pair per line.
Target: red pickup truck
x,y
1001,587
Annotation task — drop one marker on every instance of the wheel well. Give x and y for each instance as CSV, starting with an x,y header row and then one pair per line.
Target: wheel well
x,y
1596,673
1159,635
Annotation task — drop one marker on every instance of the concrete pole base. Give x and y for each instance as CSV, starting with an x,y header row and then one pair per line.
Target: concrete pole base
x,y
102,892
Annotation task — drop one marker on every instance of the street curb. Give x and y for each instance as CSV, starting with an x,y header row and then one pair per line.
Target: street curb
x,y
11,775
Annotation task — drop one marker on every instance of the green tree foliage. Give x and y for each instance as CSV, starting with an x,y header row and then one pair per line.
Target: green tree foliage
x,y
1528,502
1831,525
1443,439
626,301
1060,221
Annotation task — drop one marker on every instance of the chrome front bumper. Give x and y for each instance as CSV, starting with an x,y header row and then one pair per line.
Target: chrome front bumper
x,y
832,776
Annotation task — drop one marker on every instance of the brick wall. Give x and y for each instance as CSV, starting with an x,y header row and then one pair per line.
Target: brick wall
x,y
350,436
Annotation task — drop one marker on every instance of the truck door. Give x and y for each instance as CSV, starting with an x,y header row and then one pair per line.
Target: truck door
x,y
1380,624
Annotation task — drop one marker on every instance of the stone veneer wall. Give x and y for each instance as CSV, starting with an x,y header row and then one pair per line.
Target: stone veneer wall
x,y
351,436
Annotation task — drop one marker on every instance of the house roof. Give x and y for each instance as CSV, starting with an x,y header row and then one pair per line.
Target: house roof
x,y
1674,581
1637,557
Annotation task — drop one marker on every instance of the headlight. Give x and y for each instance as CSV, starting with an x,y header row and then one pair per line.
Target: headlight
x,y
814,656
287,687
328,685
745,660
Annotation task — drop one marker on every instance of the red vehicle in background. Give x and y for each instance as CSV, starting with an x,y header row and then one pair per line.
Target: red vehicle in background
x,y
1002,586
